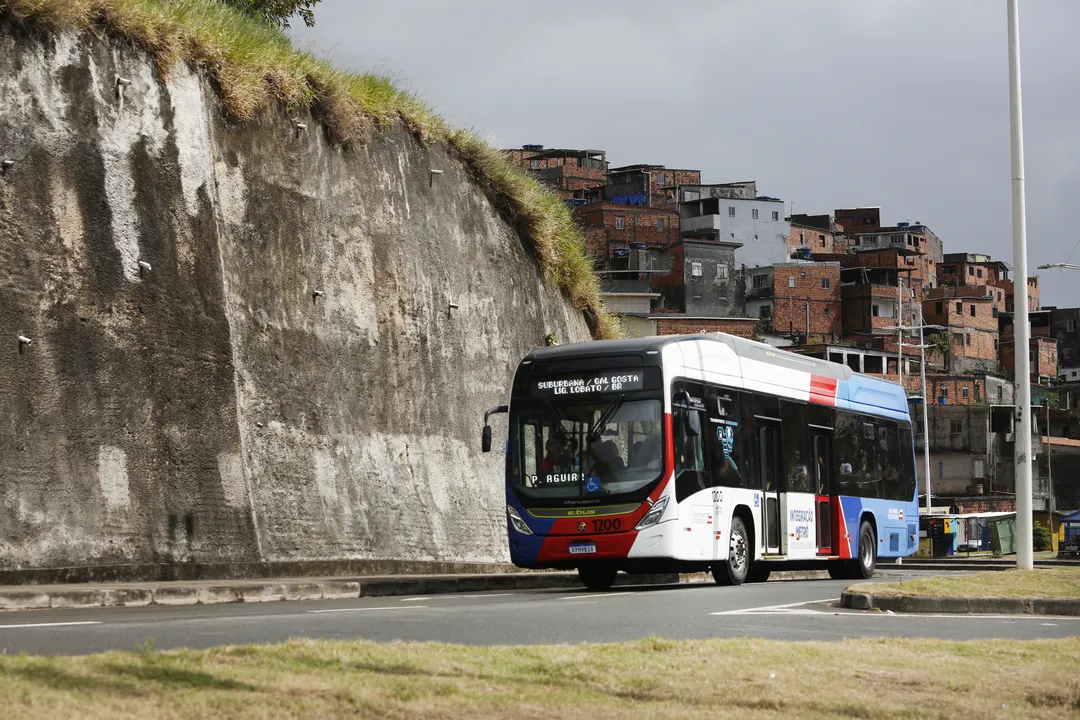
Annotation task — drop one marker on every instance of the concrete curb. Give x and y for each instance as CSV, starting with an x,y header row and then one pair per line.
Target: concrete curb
x,y
959,605
248,591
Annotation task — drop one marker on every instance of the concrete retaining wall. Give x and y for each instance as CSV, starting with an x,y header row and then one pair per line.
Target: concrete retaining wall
x,y
287,381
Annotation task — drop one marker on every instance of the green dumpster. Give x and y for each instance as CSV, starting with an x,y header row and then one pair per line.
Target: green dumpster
x,y
1003,535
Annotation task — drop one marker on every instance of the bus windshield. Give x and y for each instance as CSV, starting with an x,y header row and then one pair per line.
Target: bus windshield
x,y
589,450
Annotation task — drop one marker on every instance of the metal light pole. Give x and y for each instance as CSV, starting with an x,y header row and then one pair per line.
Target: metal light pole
x,y
1021,330
925,421
1064,266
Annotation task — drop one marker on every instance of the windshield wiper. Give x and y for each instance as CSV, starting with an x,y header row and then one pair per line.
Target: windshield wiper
x,y
605,417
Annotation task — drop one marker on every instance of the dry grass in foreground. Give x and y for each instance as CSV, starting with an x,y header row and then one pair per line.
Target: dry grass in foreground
x,y
1053,583
653,678
254,66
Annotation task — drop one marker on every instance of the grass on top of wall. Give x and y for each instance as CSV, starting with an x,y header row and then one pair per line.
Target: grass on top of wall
x,y
254,66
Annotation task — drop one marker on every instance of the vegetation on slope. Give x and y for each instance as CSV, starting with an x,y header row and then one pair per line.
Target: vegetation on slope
x,y
254,65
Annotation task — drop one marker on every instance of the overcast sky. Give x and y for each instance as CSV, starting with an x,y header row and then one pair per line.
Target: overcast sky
x,y
827,104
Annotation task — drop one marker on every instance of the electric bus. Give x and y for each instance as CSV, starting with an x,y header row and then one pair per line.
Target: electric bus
x,y
706,452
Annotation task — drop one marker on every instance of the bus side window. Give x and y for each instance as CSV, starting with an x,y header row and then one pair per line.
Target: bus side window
x,y
689,448
846,450
796,448
889,460
907,465
728,438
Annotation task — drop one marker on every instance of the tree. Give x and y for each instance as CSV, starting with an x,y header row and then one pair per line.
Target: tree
x,y
1041,537
278,12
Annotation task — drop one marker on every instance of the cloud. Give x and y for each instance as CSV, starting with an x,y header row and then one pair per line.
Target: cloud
x,y
826,104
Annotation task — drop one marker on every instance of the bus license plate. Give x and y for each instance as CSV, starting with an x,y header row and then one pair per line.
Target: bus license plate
x,y
582,548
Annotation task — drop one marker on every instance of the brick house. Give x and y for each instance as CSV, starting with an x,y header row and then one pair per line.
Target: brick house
x,y
1042,355
611,228
965,269
675,324
1032,289
870,297
567,171
800,299
810,238
647,185
971,316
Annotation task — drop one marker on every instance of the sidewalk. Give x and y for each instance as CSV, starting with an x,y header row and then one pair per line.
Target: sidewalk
x,y
212,592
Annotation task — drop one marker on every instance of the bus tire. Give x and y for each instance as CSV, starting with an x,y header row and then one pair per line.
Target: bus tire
x,y
733,571
758,573
863,566
597,578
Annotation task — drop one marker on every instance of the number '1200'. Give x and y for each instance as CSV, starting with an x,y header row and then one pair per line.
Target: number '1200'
x,y
606,524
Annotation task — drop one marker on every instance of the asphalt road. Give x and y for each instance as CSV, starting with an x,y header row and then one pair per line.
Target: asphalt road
x,y
789,610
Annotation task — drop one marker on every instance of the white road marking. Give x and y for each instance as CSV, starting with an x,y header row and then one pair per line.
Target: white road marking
x,y
455,597
598,595
367,609
773,609
1050,624
47,625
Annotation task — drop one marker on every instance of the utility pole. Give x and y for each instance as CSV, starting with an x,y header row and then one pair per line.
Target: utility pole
x,y
1021,330
1049,476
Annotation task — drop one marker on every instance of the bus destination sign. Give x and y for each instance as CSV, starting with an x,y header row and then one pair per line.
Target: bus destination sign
x,y
624,381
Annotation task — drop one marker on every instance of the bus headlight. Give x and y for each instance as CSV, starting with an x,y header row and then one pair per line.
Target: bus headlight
x,y
516,521
653,516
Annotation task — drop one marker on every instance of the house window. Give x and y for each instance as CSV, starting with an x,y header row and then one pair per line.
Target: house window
x,y
695,269
978,272
940,470
945,391
971,271
731,211
959,308
802,237
534,164
967,339
964,392
765,311
754,213
1066,353
791,281
757,281
802,276
661,178
957,339
956,426
826,283
939,308
822,239
1031,356
620,223
995,344
826,312
775,215
1070,325
972,311
721,272
660,224
875,311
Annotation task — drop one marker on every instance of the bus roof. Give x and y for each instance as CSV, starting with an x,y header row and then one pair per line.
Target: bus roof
x,y
857,387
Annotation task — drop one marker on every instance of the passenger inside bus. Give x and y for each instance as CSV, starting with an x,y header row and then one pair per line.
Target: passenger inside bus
x,y
555,458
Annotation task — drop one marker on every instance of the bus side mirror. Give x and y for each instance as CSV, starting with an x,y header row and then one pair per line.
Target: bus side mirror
x,y
485,439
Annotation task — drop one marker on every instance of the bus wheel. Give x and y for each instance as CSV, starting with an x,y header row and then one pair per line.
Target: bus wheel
x,y
597,577
734,570
864,566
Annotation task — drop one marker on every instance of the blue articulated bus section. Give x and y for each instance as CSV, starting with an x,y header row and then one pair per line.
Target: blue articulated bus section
x,y
896,521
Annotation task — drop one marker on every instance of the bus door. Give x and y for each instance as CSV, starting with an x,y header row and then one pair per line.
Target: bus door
x,y
768,435
821,452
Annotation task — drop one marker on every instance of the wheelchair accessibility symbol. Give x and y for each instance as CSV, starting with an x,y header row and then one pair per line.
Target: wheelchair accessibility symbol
x,y
592,485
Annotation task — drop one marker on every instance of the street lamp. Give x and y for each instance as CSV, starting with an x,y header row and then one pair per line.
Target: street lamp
x,y
1065,266
1024,557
